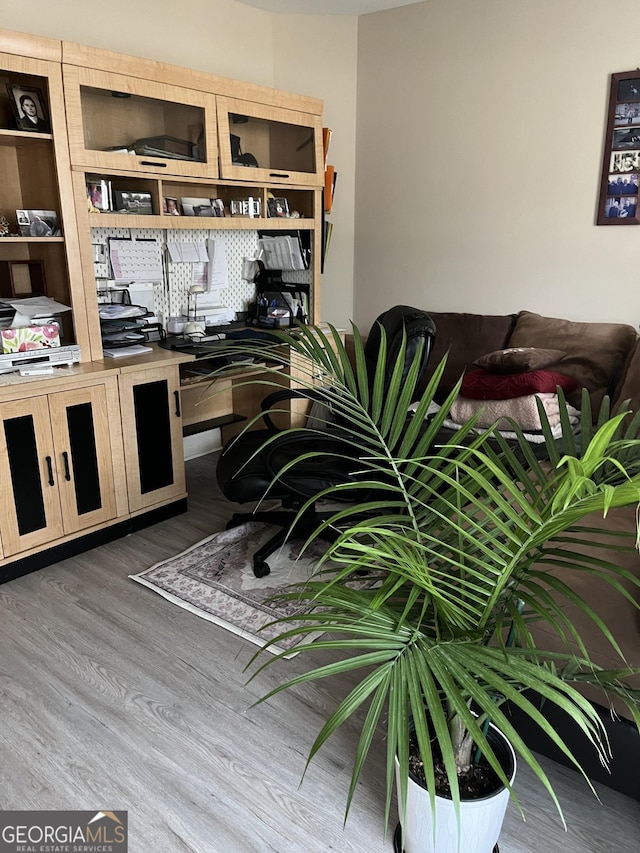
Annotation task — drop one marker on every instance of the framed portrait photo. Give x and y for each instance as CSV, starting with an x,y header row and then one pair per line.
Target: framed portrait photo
x,y
29,108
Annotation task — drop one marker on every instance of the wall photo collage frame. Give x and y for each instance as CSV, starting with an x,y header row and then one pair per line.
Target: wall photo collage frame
x,y
620,182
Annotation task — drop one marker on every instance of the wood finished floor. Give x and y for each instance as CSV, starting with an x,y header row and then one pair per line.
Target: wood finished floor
x,y
113,698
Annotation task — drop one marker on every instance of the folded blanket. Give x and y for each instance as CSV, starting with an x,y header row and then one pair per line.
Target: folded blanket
x,y
523,410
531,437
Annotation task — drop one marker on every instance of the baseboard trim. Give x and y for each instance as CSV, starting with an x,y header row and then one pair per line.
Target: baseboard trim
x,y
55,554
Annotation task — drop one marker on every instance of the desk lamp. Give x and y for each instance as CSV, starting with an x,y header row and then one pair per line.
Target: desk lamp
x,y
193,329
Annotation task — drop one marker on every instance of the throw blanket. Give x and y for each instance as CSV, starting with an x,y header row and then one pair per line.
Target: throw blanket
x,y
523,410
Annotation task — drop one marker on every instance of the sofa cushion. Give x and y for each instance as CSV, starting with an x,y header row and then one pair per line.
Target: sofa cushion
x,y
467,337
595,351
629,386
481,385
518,359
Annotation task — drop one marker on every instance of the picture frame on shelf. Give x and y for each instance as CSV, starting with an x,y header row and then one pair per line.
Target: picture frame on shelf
x,y
170,206
620,177
137,203
278,207
98,195
218,206
29,108
251,207
38,223
192,206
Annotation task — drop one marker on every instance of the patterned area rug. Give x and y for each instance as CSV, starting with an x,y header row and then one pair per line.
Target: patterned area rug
x,y
214,579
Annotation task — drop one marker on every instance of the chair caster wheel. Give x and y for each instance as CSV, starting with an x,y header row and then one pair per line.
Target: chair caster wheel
x,y
260,568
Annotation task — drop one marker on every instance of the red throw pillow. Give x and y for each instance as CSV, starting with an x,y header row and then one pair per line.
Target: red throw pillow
x,y
481,385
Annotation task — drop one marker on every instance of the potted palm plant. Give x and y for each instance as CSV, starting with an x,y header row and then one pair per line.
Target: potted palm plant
x,y
445,560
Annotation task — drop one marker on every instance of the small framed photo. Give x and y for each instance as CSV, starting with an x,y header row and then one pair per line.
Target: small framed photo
x,y
192,206
217,206
245,207
629,89
621,207
626,137
28,104
624,161
38,223
623,184
98,195
627,114
132,202
170,206
277,207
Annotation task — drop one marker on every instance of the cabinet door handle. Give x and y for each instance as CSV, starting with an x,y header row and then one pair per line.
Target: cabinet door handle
x,y
278,175
177,396
52,482
65,459
153,164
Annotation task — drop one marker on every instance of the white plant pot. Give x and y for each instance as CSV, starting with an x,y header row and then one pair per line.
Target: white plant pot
x,y
480,820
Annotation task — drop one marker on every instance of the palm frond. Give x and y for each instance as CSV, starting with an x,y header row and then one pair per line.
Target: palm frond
x,y
454,532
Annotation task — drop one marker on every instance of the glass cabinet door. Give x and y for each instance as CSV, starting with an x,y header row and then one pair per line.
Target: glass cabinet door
x,y
269,144
119,122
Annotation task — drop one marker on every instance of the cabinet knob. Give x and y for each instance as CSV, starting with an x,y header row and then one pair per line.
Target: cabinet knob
x,y
154,165
278,175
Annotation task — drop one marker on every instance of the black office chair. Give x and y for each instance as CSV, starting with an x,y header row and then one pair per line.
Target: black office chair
x,y
249,464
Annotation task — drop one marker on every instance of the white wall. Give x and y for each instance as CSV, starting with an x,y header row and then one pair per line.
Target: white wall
x,y
313,55
479,145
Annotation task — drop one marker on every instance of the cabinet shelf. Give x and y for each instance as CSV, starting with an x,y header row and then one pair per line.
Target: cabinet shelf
x,y
32,239
22,137
228,223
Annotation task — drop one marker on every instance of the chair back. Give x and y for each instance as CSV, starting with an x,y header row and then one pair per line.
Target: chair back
x,y
420,329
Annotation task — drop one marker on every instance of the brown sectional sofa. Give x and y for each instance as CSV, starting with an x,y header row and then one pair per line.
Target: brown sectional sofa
x,y
604,358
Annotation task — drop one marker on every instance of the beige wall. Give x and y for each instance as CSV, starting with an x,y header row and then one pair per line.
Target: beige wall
x,y
325,65
480,133
314,55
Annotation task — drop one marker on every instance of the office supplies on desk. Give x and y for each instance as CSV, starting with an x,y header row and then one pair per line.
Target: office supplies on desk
x,y
126,352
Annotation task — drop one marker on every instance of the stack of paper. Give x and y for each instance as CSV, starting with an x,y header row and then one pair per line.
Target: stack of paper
x,y
281,253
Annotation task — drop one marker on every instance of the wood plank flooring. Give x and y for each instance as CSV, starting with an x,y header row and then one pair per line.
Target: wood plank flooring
x,y
113,698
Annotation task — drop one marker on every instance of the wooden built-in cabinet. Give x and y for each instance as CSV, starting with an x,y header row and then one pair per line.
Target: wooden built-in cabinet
x,y
35,175
56,466
100,446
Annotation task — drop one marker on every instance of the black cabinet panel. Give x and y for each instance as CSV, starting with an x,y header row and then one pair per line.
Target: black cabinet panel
x,y
153,434
84,459
25,473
